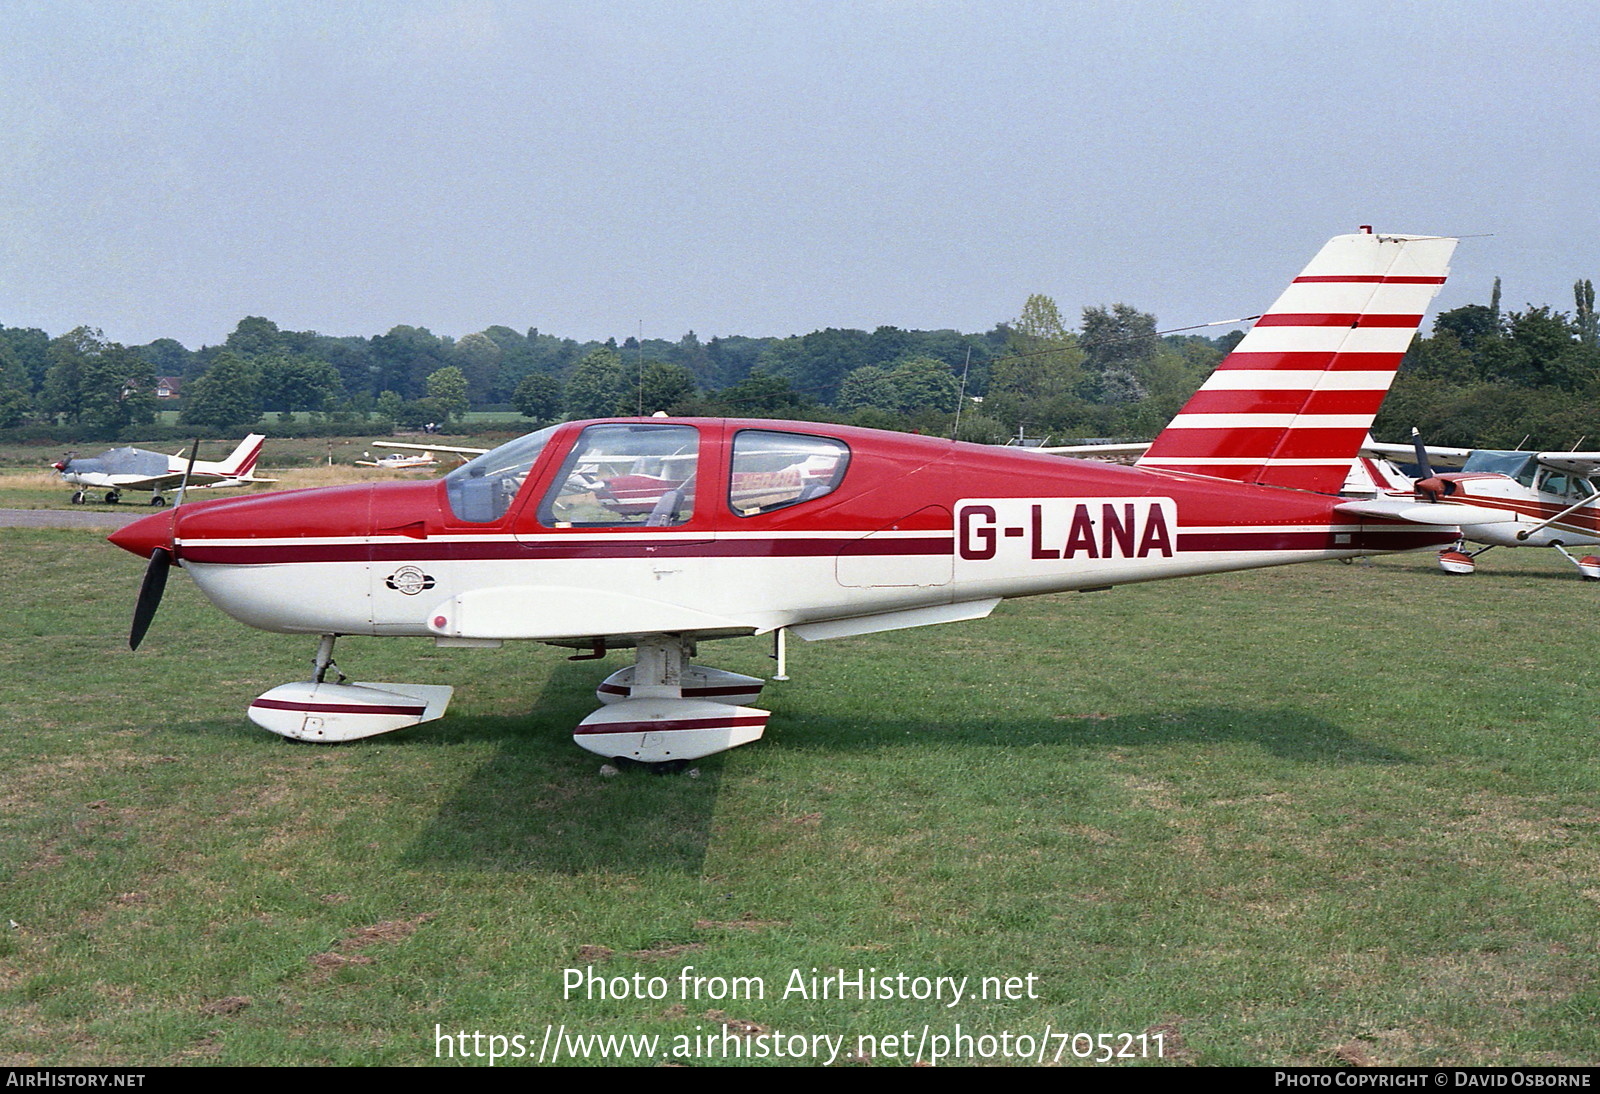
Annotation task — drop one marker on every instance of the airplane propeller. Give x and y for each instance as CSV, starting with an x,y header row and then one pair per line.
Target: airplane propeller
x,y
1429,486
155,583
155,574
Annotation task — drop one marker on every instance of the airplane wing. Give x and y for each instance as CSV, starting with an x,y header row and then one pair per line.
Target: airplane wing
x,y
430,448
1134,449
1447,514
197,480
1576,463
1445,457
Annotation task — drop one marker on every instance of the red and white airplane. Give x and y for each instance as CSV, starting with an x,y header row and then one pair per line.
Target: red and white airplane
x,y
659,534
1503,498
119,469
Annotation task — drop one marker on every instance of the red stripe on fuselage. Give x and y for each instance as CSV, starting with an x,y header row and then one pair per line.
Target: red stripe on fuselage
x,y
505,550
510,549
1364,540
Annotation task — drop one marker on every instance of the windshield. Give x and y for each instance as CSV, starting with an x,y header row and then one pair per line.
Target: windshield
x,y
482,489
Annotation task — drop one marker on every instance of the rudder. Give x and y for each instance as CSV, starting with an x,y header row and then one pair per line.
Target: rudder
x,y
1292,404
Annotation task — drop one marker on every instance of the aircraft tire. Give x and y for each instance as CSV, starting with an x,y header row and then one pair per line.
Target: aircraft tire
x,y
79,498
112,497
157,500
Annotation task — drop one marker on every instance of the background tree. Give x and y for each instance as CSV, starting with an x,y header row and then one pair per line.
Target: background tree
x,y
539,397
97,382
448,386
597,385
478,356
761,395
389,406
1584,317
1116,342
224,398
288,383
1032,385
664,386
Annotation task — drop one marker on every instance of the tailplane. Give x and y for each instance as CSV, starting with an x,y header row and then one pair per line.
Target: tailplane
x,y
1292,404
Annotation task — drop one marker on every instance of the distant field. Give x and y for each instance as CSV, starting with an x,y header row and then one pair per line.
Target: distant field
x,y
1321,815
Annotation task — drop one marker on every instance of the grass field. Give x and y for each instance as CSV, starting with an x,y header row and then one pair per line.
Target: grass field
x,y
1320,815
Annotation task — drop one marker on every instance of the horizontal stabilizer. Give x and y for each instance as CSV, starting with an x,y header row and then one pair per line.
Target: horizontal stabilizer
x,y
1421,512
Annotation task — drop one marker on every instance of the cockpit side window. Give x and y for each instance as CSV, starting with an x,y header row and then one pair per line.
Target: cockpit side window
x,y
775,470
625,475
1568,485
481,490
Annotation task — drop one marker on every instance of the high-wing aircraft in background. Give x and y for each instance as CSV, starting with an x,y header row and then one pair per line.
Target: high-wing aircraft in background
x,y
399,461
1519,499
658,535
119,469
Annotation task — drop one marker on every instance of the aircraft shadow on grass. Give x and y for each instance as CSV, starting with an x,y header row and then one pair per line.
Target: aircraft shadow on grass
x,y
536,805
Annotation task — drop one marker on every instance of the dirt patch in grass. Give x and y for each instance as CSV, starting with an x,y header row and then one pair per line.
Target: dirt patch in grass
x,y
231,1004
742,1026
393,930
347,952
1173,1045
746,922
667,952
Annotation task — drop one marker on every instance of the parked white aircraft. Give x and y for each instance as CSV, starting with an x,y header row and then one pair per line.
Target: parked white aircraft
x,y
127,468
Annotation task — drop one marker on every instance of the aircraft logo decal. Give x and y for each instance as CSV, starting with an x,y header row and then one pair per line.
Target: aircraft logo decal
x,y
409,580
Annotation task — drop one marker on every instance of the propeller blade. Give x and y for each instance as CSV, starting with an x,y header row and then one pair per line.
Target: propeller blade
x,y
1424,469
155,583
183,486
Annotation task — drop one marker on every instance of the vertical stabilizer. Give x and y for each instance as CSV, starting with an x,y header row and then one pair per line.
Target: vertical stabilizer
x,y
1292,404
242,463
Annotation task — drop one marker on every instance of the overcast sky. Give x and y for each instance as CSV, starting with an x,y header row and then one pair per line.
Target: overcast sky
x,y
595,169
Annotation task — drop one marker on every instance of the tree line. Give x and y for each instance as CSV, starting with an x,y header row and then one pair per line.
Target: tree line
x,y
1482,378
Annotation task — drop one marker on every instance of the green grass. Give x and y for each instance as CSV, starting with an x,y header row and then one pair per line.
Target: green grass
x,y
1320,815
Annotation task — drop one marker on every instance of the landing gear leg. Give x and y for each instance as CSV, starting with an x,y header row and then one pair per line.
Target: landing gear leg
x,y
323,662
655,723
1588,566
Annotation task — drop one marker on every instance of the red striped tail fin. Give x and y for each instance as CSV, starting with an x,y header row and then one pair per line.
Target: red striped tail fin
x,y
242,462
1292,404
